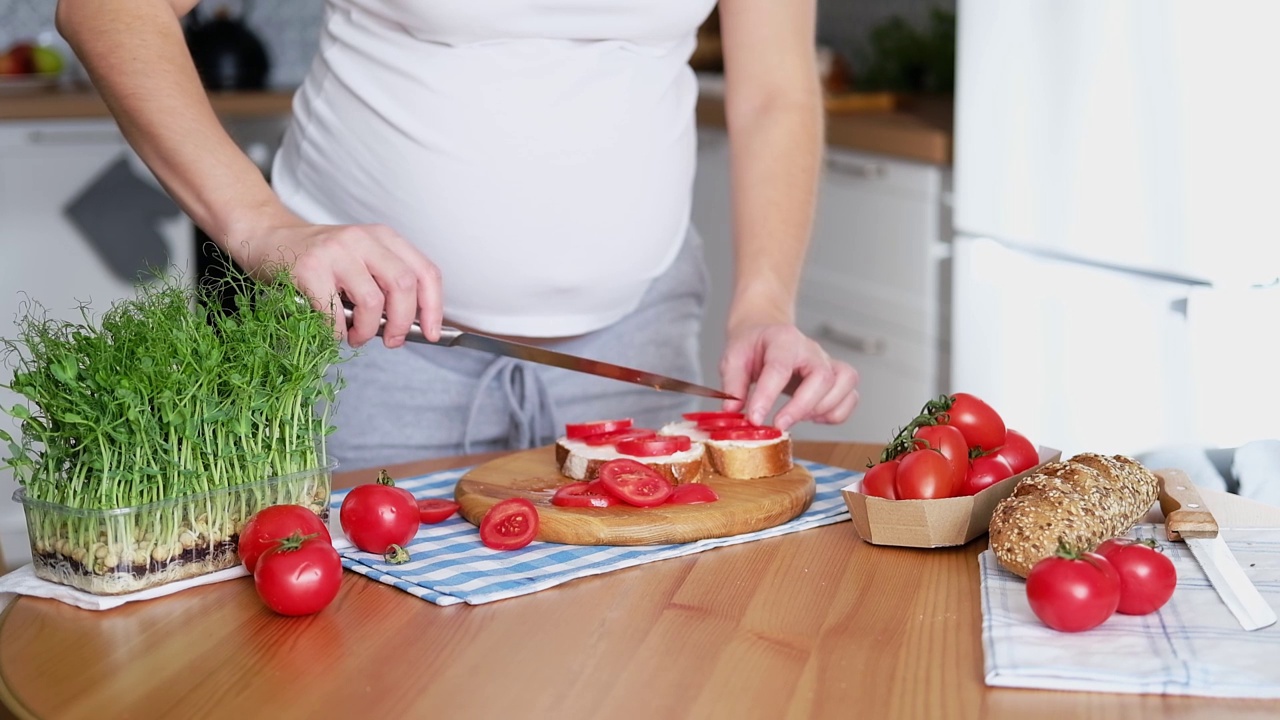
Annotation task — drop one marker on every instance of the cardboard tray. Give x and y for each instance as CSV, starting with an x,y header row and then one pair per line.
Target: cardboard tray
x,y
931,523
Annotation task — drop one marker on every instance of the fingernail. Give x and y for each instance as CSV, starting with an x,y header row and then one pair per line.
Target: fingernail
x,y
782,422
756,416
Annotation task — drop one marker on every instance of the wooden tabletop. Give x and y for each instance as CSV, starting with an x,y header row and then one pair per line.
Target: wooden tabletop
x,y
811,624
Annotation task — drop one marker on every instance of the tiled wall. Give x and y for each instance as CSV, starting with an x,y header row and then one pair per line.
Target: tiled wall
x,y
290,27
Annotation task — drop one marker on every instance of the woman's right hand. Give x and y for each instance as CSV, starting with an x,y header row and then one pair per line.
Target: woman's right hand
x,y
370,265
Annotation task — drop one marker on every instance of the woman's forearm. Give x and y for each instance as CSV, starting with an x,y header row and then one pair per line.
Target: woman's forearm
x,y
136,55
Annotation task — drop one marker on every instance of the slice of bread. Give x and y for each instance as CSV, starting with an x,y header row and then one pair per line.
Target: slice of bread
x,y
739,459
580,461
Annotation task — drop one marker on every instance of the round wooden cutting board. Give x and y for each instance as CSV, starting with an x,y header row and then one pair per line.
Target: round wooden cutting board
x,y
744,505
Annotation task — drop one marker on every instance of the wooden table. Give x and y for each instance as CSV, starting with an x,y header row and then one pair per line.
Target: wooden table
x,y
812,624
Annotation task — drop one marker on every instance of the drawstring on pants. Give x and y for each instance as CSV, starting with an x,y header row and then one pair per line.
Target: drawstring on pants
x,y
531,411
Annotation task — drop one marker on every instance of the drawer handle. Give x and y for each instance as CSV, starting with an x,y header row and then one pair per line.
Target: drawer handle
x,y
857,343
860,170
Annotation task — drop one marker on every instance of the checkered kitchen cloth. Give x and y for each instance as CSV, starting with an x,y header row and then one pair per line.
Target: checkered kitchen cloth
x,y
1191,646
449,565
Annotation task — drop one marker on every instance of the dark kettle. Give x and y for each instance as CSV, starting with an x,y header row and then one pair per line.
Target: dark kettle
x,y
227,54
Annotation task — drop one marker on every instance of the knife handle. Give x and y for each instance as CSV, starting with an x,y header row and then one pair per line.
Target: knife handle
x,y
448,335
1185,514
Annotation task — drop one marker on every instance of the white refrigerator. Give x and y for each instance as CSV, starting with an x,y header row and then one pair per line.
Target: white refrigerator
x,y
1116,267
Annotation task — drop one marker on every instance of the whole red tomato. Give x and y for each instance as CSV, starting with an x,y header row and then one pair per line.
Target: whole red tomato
x,y
981,425
879,480
299,576
1147,576
271,524
1018,451
1073,591
378,515
923,475
949,441
985,471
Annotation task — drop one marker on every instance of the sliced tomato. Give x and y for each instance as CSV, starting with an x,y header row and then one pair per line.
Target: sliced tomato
x,y
434,510
610,438
580,494
763,432
635,483
723,422
657,445
509,525
596,487
575,431
711,414
692,494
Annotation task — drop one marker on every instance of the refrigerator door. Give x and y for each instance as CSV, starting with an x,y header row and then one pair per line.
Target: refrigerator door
x,y
1138,133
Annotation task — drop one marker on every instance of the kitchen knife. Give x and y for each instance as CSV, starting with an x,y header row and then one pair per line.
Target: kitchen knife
x,y
452,337
1187,518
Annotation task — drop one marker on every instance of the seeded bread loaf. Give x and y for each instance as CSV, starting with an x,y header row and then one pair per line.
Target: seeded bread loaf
x,y
1083,501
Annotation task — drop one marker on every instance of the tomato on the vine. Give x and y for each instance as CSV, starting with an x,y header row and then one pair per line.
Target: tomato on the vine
x,y
269,525
509,525
923,475
1147,576
376,516
879,480
985,471
981,425
1073,591
949,441
1018,451
300,575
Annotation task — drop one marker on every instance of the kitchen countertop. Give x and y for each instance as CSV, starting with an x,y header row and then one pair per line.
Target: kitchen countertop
x,y
921,132
811,624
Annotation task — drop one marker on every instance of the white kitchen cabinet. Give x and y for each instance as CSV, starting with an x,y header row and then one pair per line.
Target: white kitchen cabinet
x,y
873,291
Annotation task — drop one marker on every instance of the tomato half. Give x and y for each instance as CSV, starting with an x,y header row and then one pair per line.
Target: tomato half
x,y
985,471
949,441
1073,591
1018,451
301,575
879,480
579,494
610,438
509,525
269,525
434,510
762,432
376,516
981,425
1147,576
654,446
711,415
692,494
634,483
922,475
575,431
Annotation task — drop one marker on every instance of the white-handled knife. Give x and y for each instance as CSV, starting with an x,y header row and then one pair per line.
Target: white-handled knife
x,y
1187,518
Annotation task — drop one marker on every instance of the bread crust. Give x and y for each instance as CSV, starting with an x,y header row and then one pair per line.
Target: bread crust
x,y
1083,501
748,462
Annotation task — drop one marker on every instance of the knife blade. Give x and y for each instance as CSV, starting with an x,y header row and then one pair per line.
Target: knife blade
x,y
453,337
1187,518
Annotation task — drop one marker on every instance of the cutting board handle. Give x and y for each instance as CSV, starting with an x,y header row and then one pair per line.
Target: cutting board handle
x,y
1185,514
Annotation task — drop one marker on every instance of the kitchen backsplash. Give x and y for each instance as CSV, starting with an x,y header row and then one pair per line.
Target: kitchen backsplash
x,y
290,28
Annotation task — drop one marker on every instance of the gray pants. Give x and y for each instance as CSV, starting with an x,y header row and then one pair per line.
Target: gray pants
x,y
422,401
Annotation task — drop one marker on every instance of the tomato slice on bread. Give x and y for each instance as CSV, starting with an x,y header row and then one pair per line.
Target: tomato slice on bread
x,y
655,446
722,422
434,510
581,494
634,483
576,431
610,438
711,415
509,525
761,432
692,494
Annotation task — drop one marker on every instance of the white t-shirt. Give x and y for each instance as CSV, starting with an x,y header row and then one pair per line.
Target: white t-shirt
x,y
540,152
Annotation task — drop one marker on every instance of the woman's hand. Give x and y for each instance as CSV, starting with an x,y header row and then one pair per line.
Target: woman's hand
x,y
761,361
370,265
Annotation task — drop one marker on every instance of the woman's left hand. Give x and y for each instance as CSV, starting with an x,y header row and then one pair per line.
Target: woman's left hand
x,y
761,361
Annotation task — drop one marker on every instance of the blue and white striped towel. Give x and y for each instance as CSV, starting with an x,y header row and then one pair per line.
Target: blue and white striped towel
x,y
1191,646
449,565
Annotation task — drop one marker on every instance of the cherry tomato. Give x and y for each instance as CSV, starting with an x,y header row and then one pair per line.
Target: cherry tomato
x,y
376,516
692,494
949,441
985,471
509,525
763,432
922,475
981,426
300,575
616,436
654,446
576,431
634,483
1147,576
1073,591
579,494
879,480
434,510
711,414
1018,451
271,524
